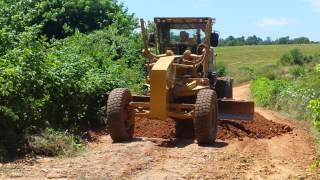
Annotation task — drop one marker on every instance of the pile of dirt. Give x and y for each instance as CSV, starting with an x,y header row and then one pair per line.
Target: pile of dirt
x,y
155,128
257,129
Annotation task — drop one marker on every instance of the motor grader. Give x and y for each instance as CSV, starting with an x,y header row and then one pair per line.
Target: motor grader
x,y
181,82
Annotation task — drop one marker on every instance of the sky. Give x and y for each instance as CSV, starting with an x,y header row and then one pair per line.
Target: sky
x,y
264,18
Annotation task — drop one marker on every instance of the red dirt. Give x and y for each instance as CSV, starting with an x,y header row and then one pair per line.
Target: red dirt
x,y
258,129
155,128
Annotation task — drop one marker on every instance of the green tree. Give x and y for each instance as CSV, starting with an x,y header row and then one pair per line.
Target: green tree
x,y
253,40
61,18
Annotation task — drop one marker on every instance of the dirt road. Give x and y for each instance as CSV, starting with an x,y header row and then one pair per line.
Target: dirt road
x,y
288,156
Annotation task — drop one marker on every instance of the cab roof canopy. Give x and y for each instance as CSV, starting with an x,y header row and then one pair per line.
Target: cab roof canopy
x,y
183,19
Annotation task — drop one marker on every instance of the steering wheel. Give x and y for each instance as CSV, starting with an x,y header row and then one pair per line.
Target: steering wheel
x,y
200,48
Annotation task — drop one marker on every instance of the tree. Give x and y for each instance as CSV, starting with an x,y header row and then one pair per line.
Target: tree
x,y
301,40
267,41
253,40
283,40
61,18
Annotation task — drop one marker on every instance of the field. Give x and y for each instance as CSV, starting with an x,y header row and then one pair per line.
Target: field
x,y
237,57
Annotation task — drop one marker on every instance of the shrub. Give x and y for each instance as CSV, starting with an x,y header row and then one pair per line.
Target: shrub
x,y
318,68
262,91
297,71
294,57
221,69
314,105
269,71
245,74
53,143
286,59
62,84
297,56
61,18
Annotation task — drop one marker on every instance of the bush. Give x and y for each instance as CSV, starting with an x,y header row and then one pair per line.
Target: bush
x,y
264,91
314,105
295,57
245,74
54,143
297,71
318,68
272,72
286,59
221,69
291,96
62,84
61,18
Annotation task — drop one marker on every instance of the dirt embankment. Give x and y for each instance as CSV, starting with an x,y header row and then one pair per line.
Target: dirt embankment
x,y
270,147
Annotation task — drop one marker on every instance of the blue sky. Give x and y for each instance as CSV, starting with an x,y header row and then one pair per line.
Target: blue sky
x,y
274,18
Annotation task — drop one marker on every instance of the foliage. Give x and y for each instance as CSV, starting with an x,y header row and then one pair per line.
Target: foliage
x,y
254,40
314,105
62,84
61,18
266,91
269,71
54,143
245,74
88,66
284,96
297,71
295,57
221,69
318,68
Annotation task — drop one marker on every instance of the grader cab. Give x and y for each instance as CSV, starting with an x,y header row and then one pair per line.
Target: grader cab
x,y
181,82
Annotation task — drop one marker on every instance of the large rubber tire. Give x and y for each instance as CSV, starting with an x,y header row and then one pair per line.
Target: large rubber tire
x,y
206,117
120,119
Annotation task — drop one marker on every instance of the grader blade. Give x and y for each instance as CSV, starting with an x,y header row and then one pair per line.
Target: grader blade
x,y
235,110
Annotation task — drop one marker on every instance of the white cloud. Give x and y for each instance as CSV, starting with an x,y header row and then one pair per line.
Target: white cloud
x,y
315,5
266,22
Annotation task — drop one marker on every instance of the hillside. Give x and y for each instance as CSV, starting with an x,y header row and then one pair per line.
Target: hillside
x,y
237,57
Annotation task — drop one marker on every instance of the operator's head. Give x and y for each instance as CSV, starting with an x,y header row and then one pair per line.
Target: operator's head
x,y
187,55
184,36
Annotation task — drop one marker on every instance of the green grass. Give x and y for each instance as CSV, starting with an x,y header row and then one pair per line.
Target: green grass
x,y
238,58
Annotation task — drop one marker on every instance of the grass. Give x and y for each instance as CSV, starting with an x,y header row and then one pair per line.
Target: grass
x,y
240,60
55,143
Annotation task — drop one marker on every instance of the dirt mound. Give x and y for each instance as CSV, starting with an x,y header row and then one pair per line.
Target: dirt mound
x,y
259,128
155,128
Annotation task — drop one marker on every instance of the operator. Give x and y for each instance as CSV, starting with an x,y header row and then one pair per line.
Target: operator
x,y
184,37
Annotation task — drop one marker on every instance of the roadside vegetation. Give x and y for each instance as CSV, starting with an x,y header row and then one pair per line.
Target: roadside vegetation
x,y
57,61
291,86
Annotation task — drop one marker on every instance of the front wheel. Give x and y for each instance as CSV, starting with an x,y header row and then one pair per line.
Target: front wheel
x,y
120,118
206,117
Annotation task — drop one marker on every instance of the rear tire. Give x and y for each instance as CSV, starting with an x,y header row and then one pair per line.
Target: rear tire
x,y
120,119
206,117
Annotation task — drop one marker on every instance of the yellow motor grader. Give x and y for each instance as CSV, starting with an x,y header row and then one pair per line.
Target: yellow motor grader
x,y
181,81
